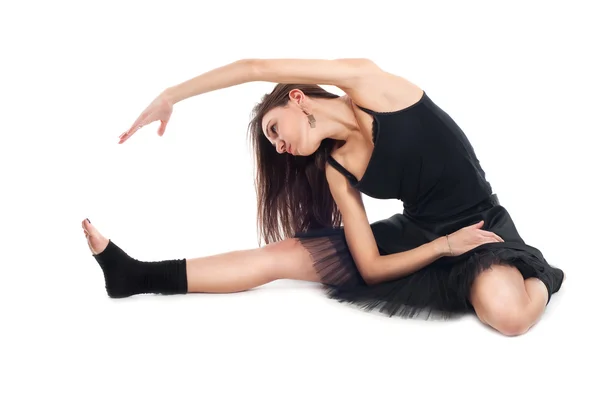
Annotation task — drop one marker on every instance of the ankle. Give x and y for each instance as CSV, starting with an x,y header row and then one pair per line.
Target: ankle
x,y
125,276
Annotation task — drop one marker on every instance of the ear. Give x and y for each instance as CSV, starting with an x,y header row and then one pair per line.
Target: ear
x,y
297,96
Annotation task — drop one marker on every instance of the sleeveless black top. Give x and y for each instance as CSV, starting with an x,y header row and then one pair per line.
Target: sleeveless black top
x,y
423,158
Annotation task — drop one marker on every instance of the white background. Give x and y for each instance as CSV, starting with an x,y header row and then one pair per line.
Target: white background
x,y
520,78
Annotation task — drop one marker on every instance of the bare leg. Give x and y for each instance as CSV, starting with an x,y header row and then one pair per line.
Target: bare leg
x,y
506,302
245,269
237,270
538,297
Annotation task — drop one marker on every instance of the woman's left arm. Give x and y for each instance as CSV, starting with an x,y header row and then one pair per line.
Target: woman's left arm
x,y
345,73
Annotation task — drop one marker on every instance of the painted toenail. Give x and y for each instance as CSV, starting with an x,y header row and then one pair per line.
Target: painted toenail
x,y
88,220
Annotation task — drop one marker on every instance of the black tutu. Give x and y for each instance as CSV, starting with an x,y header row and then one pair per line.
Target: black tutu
x,y
439,289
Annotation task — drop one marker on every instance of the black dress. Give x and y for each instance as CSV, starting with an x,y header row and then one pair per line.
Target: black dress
x,y
423,158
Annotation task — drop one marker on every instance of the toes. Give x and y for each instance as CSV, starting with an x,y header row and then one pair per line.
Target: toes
x,y
95,240
88,233
87,226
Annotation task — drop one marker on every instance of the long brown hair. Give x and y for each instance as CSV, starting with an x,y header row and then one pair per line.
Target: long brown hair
x,y
292,191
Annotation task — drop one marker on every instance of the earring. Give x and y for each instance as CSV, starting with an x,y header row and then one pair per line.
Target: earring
x,y
311,119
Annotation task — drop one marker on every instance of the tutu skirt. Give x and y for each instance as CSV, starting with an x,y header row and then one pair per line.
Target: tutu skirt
x,y
440,289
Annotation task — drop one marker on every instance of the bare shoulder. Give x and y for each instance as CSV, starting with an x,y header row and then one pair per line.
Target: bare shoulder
x,y
382,91
335,179
347,198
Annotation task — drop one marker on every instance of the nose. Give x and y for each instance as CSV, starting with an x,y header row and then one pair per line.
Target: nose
x,y
281,147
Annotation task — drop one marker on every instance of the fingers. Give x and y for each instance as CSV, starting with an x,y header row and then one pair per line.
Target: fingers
x,y
161,129
493,238
123,137
492,235
140,122
478,225
135,127
487,234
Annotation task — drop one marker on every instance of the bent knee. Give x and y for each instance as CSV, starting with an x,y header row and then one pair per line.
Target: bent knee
x,y
509,319
500,300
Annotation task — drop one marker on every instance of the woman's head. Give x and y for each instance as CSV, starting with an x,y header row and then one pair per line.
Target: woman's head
x,y
292,192
287,121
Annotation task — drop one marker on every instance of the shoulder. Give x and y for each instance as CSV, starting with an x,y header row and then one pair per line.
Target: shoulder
x,y
382,91
335,179
346,197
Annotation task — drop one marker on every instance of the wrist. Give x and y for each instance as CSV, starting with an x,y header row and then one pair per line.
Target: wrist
x,y
172,95
438,247
441,246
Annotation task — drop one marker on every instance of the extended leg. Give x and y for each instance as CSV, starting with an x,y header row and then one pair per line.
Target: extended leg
x,y
221,273
245,269
506,302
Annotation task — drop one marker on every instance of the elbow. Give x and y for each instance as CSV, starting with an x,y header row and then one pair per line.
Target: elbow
x,y
259,69
251,68
372,279
371,272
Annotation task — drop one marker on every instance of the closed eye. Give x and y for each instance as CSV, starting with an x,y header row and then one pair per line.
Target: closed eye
x,y
274,132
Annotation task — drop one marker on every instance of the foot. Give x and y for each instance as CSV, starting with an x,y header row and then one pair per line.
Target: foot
x,y
120,271
95,240
125,276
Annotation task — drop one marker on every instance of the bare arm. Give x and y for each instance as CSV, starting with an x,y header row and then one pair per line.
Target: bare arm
x,y
373,267
364,81
345,73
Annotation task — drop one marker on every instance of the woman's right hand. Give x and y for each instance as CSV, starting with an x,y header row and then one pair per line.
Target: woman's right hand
x,y
468,238
160,108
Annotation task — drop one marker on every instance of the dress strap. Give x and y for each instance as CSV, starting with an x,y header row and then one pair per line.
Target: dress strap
x,y
369,111
341,168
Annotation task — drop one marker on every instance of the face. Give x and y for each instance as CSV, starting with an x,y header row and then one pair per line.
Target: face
x,y
288,129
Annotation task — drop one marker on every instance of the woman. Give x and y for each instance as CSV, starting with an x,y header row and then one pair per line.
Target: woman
x,y
454,249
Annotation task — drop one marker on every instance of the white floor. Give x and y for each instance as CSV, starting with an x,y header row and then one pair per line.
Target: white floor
x,y
283,339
